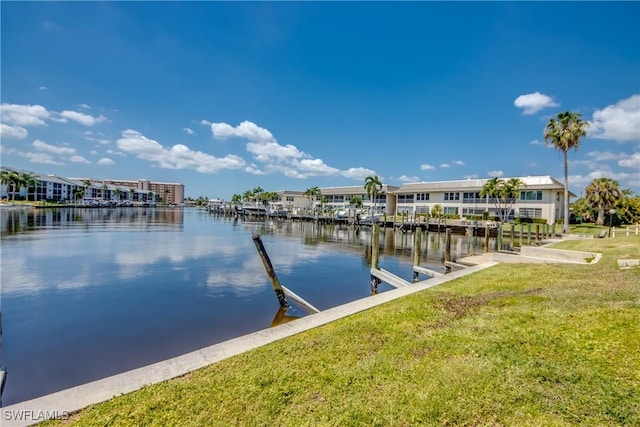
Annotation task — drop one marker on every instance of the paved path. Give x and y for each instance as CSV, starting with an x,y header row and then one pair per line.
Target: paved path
x,y
65,402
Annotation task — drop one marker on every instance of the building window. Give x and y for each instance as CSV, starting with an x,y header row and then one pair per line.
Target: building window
x,y
422,196
452,196
405,198
530,213
289,198
449,210
531,195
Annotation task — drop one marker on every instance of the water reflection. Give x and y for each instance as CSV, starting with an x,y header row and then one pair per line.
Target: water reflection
x,y
102,291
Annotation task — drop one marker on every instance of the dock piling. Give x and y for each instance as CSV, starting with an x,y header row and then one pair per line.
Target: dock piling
x,y
417,243
277,287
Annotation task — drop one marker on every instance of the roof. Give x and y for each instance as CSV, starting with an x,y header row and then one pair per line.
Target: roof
x,y
533,182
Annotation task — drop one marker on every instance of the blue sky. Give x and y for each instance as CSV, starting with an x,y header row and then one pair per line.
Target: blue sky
x,y
228,96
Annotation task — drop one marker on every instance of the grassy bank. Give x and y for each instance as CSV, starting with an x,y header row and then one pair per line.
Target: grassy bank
x,y
510,345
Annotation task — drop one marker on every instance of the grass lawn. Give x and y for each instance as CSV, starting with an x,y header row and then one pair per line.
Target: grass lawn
x,y
515,344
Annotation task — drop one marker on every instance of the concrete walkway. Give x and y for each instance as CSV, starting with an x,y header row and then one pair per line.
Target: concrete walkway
x,y
61,404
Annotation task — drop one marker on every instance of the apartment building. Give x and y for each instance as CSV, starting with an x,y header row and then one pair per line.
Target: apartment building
x,y
540,197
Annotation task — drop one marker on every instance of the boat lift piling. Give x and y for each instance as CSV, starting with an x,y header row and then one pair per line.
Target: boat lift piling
x,y
281,291
277,287
417,242
375,254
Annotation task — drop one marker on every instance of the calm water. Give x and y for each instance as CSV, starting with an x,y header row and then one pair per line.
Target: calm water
x,y
95,292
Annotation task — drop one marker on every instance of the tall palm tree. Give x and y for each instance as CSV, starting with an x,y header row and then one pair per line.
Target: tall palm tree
x,y
603,194
373,185
27,180
132,192
564,133
117,193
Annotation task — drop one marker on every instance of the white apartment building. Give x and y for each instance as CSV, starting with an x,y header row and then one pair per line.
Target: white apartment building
x,y
540,197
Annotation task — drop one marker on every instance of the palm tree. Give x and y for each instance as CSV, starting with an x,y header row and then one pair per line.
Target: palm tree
x,y
503,194
373,185
356,201
312,193
10,178
132,192
117,193
603,194
247,195
27,180
78,193
564,133
236,199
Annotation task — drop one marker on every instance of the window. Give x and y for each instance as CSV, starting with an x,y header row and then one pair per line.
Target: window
x,y
405,198
530,213
452,196
422,209
449,210
289,198
531,195
422,196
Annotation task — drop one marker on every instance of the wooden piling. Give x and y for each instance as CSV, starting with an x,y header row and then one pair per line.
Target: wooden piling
x,y
537,232
417,243
513,234
529,234
499,238
486,238
447,247
375,251
521,233
275,283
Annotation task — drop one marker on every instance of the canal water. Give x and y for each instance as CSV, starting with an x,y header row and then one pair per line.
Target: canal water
x,y
88,293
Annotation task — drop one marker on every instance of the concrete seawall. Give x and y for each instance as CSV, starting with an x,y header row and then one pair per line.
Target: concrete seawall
x,y
61,404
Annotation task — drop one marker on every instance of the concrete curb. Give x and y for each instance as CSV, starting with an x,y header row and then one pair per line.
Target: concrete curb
x,y
61,404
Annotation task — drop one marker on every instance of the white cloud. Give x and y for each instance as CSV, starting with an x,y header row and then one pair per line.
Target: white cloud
x,y
84,106
265,151
276,158
177,157
426,167
253,169
188,130
536,142
458,162
43,146
619,122
12,132
246,129
633,161
24,115
533,102
43,158
495,174
445,165
357,173
84,119
405,178
626,179
43,88
472,176
314,167
105,161
78,159
605,155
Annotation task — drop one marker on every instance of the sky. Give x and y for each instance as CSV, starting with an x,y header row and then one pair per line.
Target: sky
x,y
228,96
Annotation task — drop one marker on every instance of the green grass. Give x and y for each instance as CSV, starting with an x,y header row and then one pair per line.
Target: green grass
x,y
511,345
